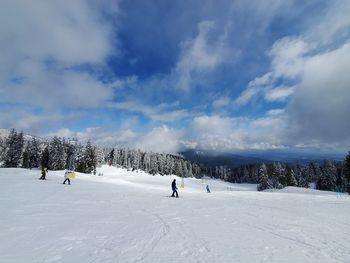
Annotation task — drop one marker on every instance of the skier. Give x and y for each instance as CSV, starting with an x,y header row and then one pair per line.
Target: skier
x,y
43,173
338,186
174,188
66,176
208,190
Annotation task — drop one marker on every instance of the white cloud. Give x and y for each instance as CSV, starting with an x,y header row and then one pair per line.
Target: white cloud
x,y
229,134
162,112
332,25
40,45
316,62
221,102
255,87
274,112
320,107
200,55
279,93
161,139
288,57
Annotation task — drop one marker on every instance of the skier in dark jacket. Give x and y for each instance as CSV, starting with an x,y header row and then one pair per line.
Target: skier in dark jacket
x,y
174,188
208,190
43,173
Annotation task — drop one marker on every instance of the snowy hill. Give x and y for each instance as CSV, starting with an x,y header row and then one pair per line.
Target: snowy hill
x,y
129,217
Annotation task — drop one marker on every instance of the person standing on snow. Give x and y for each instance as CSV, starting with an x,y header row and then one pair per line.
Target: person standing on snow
x,y
207,187
66,176
174,188
43,173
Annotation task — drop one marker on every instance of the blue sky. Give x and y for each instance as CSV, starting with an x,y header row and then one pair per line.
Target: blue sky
x,y
171,75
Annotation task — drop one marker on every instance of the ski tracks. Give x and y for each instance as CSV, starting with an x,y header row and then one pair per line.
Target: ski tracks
x,y
150,246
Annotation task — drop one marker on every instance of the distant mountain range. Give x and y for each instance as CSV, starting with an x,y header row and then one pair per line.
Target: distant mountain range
x,y
211,159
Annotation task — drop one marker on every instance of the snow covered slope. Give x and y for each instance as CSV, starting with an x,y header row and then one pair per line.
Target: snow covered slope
x,y
129,217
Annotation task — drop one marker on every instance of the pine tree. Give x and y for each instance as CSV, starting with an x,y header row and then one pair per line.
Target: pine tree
x,y
2,150
263,178
26,156
70,156
347,171
328,177
111,157
79,159
90,159
14,148
290,177
57,157
34,153
45,157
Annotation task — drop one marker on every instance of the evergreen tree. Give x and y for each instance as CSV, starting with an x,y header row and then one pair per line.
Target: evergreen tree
x,y
79,159
2,149
90,158
328,177
70,156
290,177
263,178
347,171
26,156
34,153
275,175
111,157
14,148
57,157
45,157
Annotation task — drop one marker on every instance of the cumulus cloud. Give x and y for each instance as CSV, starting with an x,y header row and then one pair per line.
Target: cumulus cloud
x,y
288,57
316,112
320,107
161,139
229,134
44,47
200,55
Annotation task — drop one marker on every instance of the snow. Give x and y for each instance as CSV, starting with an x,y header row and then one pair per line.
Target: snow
x,y
129,217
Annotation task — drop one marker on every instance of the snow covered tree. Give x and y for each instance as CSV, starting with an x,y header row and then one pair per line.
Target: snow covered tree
x,y
14,148
79,159
34,153
70,156
263,178
275,175
90,158
57,157
2,149
304,175
45,156
111,157
290,177
100,157
26,156
347,171
328,177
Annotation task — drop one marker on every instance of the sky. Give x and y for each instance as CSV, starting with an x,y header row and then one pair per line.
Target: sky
x,y
167,76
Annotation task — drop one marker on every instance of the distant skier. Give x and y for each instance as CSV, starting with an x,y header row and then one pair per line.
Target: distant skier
x,y
43,173
338,186
174,188
208,190
67,174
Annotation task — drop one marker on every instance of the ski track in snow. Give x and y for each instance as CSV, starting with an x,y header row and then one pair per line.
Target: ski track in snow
x,y
128,217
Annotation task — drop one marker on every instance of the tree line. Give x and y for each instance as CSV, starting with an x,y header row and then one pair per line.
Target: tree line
x,y
326,176
62,153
